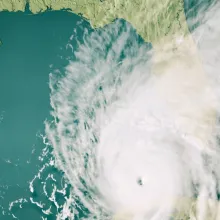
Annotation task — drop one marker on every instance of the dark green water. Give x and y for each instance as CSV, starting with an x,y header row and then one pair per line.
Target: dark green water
x,y
31,43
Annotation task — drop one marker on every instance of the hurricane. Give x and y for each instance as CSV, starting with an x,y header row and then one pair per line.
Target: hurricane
x,y
137,142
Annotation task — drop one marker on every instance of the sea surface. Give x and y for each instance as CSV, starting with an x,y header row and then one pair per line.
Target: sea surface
x,y
33,46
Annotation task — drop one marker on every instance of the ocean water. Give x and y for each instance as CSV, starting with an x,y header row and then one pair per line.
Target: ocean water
x,y
33,45
61,84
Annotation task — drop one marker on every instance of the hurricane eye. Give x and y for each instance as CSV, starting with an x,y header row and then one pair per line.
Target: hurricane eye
x,y
140,181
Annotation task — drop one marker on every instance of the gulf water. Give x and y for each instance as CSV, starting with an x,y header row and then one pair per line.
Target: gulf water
x,y
33,45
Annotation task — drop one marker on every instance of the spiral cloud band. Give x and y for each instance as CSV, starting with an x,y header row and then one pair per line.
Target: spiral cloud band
x,y
135,144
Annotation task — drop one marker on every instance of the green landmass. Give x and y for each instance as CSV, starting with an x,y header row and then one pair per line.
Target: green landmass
x,y
154,20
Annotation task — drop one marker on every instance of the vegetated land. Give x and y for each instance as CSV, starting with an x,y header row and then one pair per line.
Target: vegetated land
x,y
154,20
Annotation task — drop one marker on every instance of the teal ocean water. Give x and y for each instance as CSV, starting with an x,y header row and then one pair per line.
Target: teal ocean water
x,y
34,46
